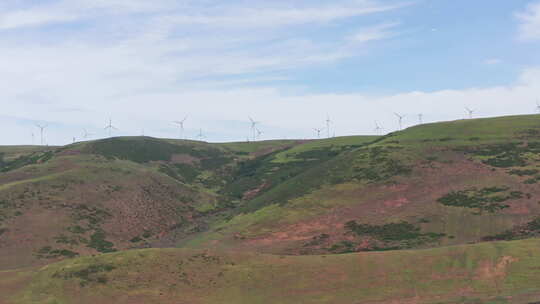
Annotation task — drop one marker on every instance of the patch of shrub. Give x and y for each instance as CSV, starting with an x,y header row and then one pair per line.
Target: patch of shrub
x,y
377,166
387,232
533,180
25,160
317,240
63,239
486,199
147,234
48,252
504,155
90,274
99,243
524,172
93,215
77,229
136,239
343,247
529,230
392,236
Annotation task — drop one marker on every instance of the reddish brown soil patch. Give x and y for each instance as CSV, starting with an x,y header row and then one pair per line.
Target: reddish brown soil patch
x,y
184,159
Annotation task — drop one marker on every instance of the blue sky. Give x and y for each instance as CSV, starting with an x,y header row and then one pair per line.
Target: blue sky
x,y
72,64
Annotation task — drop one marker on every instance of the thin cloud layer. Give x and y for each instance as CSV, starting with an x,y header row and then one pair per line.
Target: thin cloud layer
x,y
529,28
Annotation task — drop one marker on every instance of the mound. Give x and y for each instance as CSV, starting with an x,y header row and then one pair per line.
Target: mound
x,y
503,272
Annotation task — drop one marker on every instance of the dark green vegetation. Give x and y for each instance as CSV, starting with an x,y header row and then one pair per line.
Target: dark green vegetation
x,y
490,199
92,274
515,154
48,253
529,230
390,236
24,160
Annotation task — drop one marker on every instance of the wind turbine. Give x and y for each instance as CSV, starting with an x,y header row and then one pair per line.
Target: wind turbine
x,y
470,111
33,140
318,132
86,134
200,136
110,127
538,105
420,118
400,119
378,128
328,122
259,133
41,128
253,127
180,124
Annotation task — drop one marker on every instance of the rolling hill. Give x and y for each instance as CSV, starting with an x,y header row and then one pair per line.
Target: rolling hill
x,y
444,193
500,272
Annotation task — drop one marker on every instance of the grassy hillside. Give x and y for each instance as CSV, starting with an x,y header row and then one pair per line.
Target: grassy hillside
x,y
123,193
502,272
432,185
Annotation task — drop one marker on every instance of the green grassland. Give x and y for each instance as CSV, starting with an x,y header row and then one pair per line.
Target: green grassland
x,y
501,272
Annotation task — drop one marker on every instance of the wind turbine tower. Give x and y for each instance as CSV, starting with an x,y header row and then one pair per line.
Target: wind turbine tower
x,y
253,127
328,122
420,118
180,124
41,128
86,134
318,132
378,128
400,120
110,127
259,133
470,111
538,105
200,136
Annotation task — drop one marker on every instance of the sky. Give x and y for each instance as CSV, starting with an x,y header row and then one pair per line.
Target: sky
x,y
74,64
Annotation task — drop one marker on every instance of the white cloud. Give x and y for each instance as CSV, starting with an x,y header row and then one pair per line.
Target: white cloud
x,y
222,113
282,16
378,32
529,28
492,61
181,58
26,18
